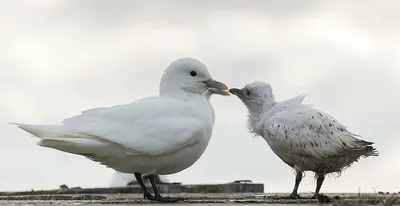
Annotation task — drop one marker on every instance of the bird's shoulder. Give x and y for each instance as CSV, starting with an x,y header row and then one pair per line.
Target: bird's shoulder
x,y
290,104
140,109
304,116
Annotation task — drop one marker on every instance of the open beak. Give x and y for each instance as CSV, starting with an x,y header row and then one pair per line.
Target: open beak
x,y
218,87
236,91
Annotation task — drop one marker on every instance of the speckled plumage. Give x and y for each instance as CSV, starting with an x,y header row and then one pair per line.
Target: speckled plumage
x,y
303,137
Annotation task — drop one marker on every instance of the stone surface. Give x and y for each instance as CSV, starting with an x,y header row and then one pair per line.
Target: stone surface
x,y
191,198
226,194
171,188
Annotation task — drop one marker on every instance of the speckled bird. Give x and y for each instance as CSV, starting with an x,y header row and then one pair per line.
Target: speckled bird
x,y
301,136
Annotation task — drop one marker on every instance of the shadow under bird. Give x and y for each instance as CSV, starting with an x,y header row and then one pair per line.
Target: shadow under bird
x,y
158,135
301,136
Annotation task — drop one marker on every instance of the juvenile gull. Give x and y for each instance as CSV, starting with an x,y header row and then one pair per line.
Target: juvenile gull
x,y
160,135
303,137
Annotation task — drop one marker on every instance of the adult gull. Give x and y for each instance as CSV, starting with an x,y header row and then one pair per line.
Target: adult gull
x,y
120,179
161,135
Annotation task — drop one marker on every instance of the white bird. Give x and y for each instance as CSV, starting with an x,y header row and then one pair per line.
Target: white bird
x,y
123,179
161,135
301,136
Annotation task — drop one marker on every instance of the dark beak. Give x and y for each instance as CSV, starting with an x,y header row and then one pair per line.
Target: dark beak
x,y
237,92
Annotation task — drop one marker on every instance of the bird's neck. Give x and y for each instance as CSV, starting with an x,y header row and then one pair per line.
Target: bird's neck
x,y
254,118
267,105
167,87
255,115
173,89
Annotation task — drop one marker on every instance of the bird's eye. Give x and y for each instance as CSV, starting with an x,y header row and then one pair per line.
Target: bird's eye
x,y
247,92
193,73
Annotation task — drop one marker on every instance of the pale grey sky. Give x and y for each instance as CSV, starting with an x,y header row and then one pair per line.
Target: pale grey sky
x,y
59,57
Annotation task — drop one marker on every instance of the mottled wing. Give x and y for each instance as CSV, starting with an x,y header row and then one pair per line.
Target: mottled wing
x,y
309,132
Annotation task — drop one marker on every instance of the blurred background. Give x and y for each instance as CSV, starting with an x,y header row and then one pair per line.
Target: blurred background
x,y
59,57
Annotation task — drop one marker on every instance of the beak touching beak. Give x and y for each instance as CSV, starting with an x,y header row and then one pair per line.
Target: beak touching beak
x,y
219,86
237,92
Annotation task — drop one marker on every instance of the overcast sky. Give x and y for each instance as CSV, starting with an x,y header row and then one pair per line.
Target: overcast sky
x,y
60,57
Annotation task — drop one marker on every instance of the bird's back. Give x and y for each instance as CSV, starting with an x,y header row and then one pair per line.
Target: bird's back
x,y
307,138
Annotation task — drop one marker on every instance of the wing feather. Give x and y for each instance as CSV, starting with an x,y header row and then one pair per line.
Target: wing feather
x,y
150,126
306,131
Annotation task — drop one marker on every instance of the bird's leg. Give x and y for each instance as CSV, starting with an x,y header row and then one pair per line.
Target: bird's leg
x,y
299,177
158,179
157,194
146,193
320,180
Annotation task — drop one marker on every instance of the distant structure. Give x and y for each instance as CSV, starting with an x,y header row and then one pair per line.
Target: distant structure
x,y
125,179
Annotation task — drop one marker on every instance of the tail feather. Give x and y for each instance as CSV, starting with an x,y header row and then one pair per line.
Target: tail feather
x,y
66,140
80,146
370,151
367,148
49,131
57,137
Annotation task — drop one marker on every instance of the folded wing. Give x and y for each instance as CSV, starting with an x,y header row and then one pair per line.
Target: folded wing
x,y
308,132
146,127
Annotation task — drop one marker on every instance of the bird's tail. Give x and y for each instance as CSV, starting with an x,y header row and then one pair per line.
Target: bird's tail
x,y
368,149
60,138
45,131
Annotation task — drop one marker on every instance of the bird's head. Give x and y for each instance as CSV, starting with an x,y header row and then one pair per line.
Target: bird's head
x,y
190,75
255,95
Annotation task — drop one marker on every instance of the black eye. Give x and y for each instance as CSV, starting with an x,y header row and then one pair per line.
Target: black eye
x,y
247,92
193,73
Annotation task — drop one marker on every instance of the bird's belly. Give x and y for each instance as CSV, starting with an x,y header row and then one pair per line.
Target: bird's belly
x,y
291,159
295,161
284,155
184,158
307,163
162,164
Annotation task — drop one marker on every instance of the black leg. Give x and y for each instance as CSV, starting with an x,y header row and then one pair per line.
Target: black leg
x,y
157,194
154,186
320,180
146,193
299,177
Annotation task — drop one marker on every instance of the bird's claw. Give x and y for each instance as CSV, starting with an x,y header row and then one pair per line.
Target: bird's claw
x,y
317,196
323,198
148,196
167,199
294,196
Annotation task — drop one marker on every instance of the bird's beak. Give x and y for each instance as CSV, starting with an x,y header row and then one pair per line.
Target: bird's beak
x,y
218,87
236,91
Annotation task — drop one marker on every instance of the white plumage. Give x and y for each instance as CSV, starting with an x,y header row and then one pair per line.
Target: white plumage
x,y
157,135
121,179
144,132
303,137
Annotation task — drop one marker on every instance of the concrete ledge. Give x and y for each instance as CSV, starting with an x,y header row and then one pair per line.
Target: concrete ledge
x,y
172,188
227,199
